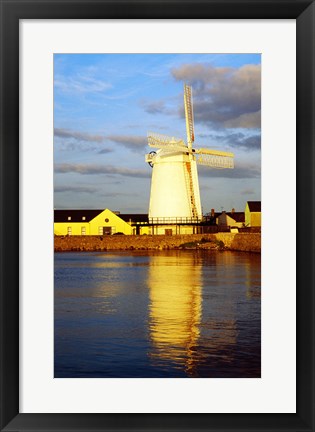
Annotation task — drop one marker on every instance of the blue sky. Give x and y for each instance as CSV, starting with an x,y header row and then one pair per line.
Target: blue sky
x,y
104,105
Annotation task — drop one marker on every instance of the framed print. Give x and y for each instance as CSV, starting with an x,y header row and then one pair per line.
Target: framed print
x,y
125,306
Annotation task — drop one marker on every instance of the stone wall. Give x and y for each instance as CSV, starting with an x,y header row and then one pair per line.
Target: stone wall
x,y
249,242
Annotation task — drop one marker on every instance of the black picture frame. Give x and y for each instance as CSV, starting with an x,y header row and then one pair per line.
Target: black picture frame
x,y
14,10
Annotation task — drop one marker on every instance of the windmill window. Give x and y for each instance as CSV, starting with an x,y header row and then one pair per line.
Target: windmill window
x,y
83,217
69,217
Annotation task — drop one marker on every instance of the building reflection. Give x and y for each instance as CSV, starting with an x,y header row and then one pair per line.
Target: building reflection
x,y
175,284
220,327
253,277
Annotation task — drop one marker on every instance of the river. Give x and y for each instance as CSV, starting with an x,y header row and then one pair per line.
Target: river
x,y
163,314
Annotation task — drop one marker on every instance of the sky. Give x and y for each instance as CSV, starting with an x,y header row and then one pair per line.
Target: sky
x,y
105,104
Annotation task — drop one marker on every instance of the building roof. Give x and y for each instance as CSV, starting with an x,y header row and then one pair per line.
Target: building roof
x,y
134,217
237,216
75,215
78,215
215,214
254,206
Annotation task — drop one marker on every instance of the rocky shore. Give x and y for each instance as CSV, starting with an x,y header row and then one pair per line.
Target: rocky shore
x,y
245,242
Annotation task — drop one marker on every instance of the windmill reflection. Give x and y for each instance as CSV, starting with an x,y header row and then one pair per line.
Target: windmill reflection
x,y
175,309
195,329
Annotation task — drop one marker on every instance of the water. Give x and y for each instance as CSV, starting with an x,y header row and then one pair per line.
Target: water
x,y
157,314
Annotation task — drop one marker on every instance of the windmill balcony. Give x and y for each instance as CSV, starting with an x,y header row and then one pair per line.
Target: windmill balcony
x,y
174,220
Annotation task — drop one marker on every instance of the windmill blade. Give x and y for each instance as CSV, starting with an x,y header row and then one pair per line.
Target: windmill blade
x,y
174,148
189,115
160,141
214,158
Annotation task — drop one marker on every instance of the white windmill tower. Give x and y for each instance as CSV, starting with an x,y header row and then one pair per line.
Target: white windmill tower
x,y
175,195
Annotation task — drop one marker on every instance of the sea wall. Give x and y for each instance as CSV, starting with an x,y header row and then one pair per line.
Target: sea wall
x,y
249,242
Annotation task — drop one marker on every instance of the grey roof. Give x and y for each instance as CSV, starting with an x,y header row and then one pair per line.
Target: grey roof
x,y
237,216
75,215
254,206
134,217
78,215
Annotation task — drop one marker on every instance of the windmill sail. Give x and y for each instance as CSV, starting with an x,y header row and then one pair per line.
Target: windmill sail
x,y
214,158
191,175
189,115
162,141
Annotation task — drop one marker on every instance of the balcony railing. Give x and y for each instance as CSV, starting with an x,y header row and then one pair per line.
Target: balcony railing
x,y
174,220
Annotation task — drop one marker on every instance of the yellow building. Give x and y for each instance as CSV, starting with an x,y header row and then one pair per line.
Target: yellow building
x,y
138,221
231,219
253,214
90,222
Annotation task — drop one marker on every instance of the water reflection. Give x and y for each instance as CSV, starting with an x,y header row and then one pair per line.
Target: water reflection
x,y
194,310
252,279
175,286
157,314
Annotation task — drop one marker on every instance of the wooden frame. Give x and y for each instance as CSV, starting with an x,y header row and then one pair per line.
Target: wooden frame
x,y
14,10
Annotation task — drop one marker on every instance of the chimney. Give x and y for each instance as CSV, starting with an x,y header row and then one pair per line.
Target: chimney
x,y
233,210
212,212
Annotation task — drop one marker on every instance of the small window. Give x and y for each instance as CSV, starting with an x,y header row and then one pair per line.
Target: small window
x,y
106,220
69,217
69,231
83,217
83,230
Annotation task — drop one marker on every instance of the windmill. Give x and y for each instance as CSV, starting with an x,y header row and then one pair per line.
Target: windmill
x,y
174,186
